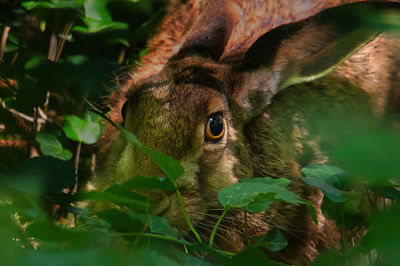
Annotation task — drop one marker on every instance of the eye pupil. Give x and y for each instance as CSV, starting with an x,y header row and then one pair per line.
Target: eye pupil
x,y
215,128
216,125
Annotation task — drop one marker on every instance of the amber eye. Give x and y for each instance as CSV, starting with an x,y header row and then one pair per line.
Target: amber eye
x,y
215,128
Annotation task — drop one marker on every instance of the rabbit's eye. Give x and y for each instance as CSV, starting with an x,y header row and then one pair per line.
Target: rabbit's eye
x,y
215,128
123,110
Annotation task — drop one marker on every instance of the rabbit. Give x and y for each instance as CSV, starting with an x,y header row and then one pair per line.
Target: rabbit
x,y
224,90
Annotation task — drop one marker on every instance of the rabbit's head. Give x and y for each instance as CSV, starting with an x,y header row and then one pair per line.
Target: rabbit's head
x,y
197,108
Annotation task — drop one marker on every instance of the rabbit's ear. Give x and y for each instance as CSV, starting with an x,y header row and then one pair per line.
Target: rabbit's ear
x,y
210,30
309,49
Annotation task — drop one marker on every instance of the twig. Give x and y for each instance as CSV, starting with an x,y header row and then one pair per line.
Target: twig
x,y
21,115
3,43
52,47
77,155
60,45
121,55
42,114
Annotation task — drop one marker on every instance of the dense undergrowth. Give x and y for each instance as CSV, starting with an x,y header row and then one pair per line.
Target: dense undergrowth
x,y
56,56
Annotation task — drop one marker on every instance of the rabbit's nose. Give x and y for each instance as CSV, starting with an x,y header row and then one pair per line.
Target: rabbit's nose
x,y
162,200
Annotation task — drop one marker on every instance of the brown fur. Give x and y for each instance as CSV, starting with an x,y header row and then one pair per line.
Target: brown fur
x,y
186,77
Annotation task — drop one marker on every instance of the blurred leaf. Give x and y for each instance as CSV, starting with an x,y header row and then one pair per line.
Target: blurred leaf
x,y
388,192
250,257
50,256
193,261
120,191
52,4
384,236
157,252
326,258
273,241
50,76
384,18
256,194
49,145
41,175
149,183
121,221
29,94
371,156
346,214
86,130
62,236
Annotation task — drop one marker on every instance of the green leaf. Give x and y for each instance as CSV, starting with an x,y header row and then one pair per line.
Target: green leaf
x,y
273,241
160,225
145,203
97,18
121,221
256,194
149,183
156,224
49,145
329,191
86,130
311,211
169,165
328,174
53,4
132,200
328,178
219,257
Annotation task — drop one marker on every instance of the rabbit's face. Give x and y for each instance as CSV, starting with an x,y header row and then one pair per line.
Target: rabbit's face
x,y
196,110
184,112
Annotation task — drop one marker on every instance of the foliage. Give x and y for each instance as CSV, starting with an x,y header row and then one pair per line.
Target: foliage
x,y
59,55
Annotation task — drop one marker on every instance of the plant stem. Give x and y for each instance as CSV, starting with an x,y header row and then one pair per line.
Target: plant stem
x,y
185,215
148,235
214,232
167,238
